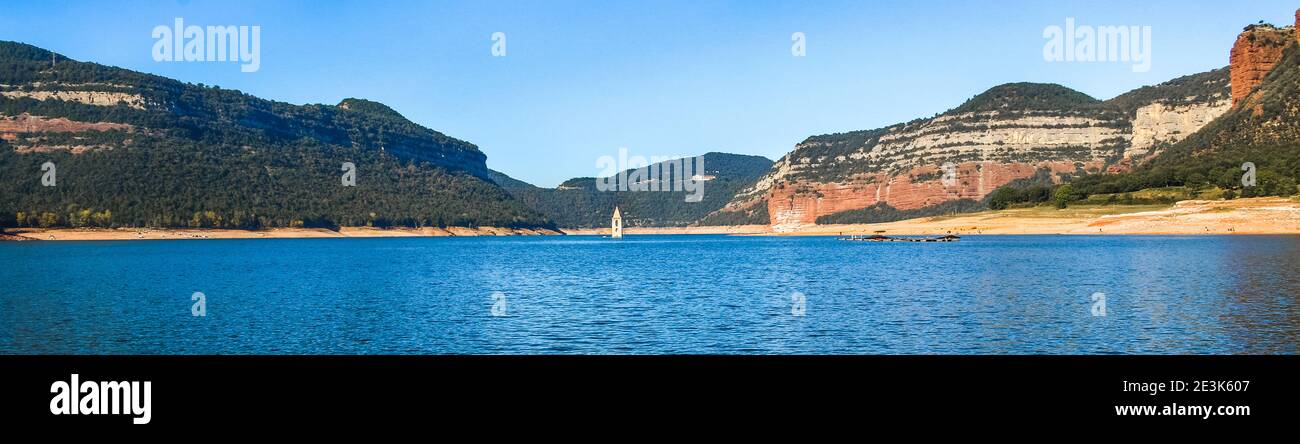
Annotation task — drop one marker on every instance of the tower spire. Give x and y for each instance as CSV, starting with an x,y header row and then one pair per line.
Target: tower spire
x,y
616,225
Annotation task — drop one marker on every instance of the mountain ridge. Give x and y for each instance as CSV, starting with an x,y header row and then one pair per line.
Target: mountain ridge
x,y
140,150
1251,150
75,112
1008,132
577,203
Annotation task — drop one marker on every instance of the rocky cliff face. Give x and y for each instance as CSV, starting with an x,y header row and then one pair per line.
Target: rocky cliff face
x,y
1265,123
791,205
70,94
1254,54
1159,124
1009,133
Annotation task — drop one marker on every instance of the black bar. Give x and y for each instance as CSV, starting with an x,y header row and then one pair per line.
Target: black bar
x,y
456,391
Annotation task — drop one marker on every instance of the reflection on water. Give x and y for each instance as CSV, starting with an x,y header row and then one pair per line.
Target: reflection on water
x,y
654,294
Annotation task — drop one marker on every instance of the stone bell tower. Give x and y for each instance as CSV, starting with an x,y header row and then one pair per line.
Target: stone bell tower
x,y
616,225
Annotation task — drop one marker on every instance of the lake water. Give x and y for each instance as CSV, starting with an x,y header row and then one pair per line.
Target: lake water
x,y
653,295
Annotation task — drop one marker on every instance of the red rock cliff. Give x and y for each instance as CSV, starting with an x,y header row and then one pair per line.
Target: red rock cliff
x,y
800,203
1257,49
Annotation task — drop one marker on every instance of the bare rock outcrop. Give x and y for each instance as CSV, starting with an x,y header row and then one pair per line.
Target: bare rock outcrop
x,y
96,98
1160,123
27,123
1254,54
1011,132
792,205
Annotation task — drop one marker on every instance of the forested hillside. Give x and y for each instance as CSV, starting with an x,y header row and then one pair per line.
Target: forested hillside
x,y
133,149
577,203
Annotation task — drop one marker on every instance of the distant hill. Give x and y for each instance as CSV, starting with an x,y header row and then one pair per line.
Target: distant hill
x,y
1019,97
1187,90
134,149
577,203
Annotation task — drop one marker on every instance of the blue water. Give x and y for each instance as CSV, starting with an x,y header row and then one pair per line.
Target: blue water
x,y
652,295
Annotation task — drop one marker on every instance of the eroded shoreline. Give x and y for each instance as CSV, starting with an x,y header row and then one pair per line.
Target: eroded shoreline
x,y
72,234
1193,217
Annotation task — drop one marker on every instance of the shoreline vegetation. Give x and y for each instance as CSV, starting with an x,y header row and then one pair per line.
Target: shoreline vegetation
x,y
1265,215
87,234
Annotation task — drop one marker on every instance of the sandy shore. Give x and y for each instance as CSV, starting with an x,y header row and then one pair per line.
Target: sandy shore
x,y
738,229
274,233
1241,216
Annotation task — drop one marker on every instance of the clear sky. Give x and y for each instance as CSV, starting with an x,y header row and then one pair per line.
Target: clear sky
x,y
581,79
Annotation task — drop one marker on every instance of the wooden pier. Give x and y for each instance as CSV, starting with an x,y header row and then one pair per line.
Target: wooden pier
x,y
882,238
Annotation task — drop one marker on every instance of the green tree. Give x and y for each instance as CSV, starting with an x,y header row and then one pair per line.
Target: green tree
x,y
1064,195
48,219
102,219
80,218
1002,198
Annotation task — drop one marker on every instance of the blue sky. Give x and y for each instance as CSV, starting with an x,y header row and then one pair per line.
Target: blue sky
x,y
584,78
